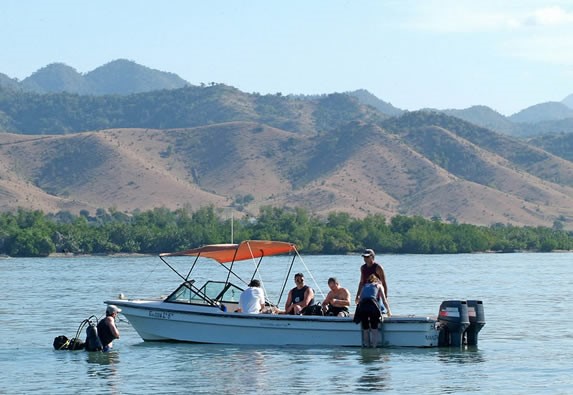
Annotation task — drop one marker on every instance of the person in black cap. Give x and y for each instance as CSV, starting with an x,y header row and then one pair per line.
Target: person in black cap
x,y
370,267
106,329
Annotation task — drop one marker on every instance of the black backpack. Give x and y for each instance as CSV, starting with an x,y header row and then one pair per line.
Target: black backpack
x,y
313,309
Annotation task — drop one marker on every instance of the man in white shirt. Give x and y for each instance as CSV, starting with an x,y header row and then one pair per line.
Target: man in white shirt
x,y
252,299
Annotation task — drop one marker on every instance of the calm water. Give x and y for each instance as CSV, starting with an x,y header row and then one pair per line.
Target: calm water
x,y
525,347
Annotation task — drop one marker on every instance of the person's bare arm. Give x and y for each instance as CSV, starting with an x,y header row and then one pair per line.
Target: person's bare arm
x,y
114,330
382,277
384,301
308,295
328,299
360,285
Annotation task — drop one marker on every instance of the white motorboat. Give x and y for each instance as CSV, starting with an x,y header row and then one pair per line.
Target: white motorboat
x,y
207,314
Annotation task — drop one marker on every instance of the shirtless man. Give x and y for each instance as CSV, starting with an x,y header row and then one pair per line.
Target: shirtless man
x,y
370,267
106,329
337,300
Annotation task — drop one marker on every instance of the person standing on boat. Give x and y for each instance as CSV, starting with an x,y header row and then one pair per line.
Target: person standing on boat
x,y
106,329
337,301
371,307
252,300
299,297
368,268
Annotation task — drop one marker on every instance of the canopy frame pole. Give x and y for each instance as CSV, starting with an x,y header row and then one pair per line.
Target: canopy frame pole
x,y
286,278
230,269
172,268
192,267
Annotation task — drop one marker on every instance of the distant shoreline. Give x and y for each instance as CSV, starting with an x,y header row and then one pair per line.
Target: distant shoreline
x,y
137,255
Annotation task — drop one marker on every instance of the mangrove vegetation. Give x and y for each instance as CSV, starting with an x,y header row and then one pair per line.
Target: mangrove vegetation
x,y
26,233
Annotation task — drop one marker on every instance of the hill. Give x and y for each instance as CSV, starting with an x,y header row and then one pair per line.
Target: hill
x,y
411,165
486,117
122,77
550,111
56,77
126,77
8,83
568,101
368,98
559,144
30,113
200,145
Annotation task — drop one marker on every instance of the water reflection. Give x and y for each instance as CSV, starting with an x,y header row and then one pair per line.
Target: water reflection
x,y
103,358
469,354
469,371
102,365
375,375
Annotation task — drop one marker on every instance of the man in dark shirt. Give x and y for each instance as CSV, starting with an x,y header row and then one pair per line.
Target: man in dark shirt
x,y
370,267
299,297
106,329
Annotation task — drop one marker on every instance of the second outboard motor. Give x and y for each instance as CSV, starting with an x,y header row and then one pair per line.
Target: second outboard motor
x,y
454,320
477,321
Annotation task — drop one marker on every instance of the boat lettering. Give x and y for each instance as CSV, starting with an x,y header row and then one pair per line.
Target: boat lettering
x,y
161,314
275,324
432,337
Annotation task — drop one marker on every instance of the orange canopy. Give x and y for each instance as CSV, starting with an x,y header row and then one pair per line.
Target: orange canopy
x,y
248,249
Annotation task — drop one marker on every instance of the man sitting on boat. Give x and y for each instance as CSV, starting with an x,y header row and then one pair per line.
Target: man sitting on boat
x,y
299,297
252,300
337,301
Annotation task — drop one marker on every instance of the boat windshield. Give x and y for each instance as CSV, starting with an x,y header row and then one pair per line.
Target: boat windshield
x,y
211,291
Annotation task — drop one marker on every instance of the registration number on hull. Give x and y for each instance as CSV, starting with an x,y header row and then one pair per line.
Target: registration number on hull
x,y
163,315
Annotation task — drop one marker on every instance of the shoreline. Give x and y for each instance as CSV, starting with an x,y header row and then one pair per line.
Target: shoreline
x,y
135,254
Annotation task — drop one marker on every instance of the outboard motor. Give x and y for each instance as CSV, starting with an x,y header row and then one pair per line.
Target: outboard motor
x,y
454,320
477,321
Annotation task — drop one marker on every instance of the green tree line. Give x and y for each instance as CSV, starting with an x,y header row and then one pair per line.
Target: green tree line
x,y
26,233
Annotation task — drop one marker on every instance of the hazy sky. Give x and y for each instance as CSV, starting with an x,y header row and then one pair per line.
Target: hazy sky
x,y
507,54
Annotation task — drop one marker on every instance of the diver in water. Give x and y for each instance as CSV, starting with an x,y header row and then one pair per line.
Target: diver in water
x,y
106,329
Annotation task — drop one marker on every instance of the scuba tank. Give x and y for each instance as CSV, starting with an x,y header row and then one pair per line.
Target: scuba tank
x,y
93,343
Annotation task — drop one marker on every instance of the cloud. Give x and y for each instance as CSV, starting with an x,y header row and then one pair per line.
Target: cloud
x,y
485,16
518,29
549,16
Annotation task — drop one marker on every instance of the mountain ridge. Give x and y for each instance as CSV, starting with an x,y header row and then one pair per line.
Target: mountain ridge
x,y
214,144
124,77
120,76
376,170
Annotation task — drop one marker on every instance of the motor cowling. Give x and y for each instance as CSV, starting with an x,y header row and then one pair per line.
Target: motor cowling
x,y
477,321
453,319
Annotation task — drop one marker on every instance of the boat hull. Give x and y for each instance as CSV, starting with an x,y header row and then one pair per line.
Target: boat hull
x,y
162,321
